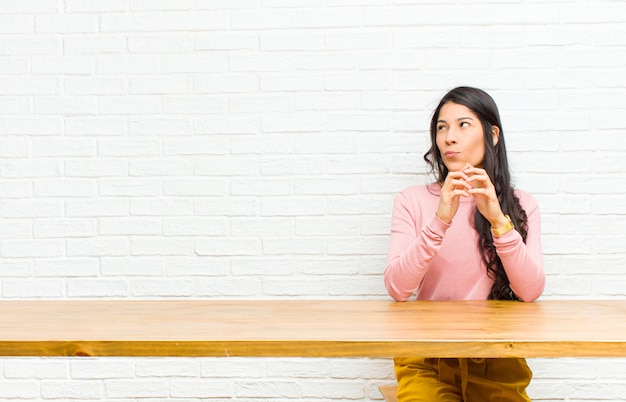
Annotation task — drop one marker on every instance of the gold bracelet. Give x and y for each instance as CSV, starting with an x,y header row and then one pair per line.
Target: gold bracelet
x,y
497,232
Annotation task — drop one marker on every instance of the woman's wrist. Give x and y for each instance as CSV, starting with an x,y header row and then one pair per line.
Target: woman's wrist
x,y
501,229
500,221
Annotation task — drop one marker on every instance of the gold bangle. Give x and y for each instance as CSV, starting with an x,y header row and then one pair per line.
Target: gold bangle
x,y
497,232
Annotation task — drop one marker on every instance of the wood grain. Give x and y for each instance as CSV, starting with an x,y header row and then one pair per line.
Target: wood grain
x,y
323,328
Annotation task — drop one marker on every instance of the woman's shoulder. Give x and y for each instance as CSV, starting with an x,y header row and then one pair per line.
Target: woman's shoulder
x,y
418,191
526,199
418,194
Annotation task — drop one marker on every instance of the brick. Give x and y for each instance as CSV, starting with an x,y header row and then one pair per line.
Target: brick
x,y
229,166
32,248
240,63
227,247
149,84
66,23
33,45
162,287
171,368
16,24
161,207
333,17
95,167
225,206
97,247
358,246
194,187
93,44
100,126
66,65
35,369
330,186
300,165
20,390
328,389
233,367
67,267
129,226
362,81
194,63
194,104
61,228
132,22
130,187
299,245
198,145
327,265
292,41
197,20
18,85
129,105
97,207
259,103
33,288
201,389
98,369
261,187
262,19
160,246
95,6
135,388
160,167
13,148
232,287
262,227
226,83
97,288
91,86
132,266
74,187
262,266
293,206
226,41
126,64
31,208
13,229
198,266
326,226
195,226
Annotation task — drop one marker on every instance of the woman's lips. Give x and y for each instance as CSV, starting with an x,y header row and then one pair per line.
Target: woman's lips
x,y
451,154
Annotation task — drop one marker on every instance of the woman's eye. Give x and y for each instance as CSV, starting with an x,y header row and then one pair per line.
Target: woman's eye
x,y
465,124
439,128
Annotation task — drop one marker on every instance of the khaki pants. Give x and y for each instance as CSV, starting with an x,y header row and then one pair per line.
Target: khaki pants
x,y
467,380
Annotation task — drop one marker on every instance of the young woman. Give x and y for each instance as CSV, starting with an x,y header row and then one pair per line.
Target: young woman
x,y
468,236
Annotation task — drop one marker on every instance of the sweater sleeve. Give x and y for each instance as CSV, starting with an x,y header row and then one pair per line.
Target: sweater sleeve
x,y
523,262
410,249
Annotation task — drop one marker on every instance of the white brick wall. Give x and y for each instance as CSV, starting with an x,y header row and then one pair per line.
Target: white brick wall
x,y
249,149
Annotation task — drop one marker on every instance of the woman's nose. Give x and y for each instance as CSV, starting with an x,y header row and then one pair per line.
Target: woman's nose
x,y
451,137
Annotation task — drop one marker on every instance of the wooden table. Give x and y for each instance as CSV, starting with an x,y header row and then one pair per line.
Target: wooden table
x,y
313,328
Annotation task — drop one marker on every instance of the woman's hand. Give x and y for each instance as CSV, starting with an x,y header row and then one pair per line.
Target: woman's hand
x,y
455,186
484,193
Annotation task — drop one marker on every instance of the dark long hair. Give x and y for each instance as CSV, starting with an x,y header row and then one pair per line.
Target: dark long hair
x,y
496,165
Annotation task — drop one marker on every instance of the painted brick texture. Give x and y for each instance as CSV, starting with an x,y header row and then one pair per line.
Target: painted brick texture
x,y
250,149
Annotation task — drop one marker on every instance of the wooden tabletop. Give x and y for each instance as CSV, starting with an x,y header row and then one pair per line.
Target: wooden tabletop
x,y
344,328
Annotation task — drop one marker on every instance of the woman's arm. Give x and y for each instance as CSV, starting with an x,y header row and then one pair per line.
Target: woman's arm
x,y
409,254
523,262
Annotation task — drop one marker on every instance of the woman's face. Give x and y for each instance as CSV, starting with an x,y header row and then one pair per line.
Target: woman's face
x,y
460,137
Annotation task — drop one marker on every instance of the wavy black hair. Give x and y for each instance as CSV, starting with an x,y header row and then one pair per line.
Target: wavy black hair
x,y
496,165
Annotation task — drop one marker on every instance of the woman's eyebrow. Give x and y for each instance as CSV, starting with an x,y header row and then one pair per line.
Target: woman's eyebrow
x,y
459,119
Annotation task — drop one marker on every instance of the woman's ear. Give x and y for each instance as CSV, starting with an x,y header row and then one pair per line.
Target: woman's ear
x,y
495,134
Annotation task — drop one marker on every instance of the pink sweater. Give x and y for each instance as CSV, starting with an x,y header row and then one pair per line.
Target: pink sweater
x,y
441,261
